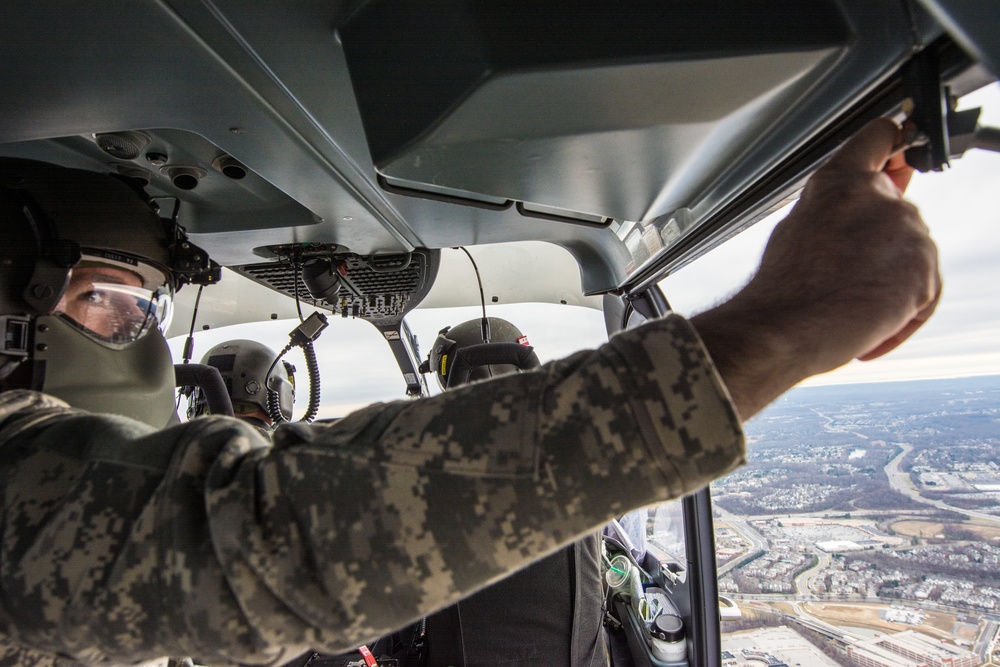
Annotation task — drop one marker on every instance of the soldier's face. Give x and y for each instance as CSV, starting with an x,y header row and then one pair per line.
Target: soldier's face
x,y
105,300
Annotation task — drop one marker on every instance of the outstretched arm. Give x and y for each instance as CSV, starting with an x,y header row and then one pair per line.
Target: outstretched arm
x,y
202,540
850,273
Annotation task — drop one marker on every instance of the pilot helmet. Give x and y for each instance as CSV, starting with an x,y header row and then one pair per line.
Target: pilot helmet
x,y
87,278
495,354
248,370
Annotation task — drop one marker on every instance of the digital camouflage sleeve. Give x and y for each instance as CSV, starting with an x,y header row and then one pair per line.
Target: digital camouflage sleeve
x,y
121,544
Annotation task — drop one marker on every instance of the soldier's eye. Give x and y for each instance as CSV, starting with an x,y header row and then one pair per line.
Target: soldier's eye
x,y
96,297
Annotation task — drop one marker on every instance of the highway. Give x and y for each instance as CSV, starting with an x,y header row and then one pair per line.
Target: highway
x,y
804,582
758,543
900,481
986,642
836,429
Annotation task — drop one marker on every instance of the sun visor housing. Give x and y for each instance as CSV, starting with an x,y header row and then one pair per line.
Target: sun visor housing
x,y
564,106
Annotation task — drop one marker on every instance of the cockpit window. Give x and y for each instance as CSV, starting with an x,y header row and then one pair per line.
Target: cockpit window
x,y
357,366
867,519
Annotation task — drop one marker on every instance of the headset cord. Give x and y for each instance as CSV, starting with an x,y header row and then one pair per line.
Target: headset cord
x,y
189,343
298,304
189,353
273,398
302,336
312,368
485,323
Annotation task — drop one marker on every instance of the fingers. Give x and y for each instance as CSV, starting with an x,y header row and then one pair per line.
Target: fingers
x,y
908,330
857,251
869,149
899,172
876,148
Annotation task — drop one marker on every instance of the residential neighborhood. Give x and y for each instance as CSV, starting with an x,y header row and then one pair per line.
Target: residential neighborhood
x,y
860,517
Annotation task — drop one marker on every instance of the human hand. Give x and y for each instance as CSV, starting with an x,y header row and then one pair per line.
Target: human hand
x,y
851,272
898,171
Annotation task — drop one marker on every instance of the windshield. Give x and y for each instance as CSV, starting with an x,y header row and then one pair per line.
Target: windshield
x,y
866,525
357,367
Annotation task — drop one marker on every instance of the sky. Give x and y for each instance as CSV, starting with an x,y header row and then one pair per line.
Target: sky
x,y
961,206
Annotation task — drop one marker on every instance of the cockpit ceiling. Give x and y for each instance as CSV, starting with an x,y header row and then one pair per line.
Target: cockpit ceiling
x,y
617,112
615,130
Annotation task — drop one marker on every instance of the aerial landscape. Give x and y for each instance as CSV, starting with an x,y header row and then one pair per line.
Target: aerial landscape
x,y
867,520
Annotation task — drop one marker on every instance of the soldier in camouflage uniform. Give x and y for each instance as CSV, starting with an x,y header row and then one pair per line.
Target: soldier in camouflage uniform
x,y
123,540
551,612
488,628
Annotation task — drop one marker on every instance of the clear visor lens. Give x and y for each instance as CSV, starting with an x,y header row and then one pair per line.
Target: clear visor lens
x,y
109,304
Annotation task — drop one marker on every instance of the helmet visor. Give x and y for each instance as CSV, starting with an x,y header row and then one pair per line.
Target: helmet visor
x,y
114,305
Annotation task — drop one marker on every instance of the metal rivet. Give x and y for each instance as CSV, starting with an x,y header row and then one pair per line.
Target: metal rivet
x,y
41,347
43,328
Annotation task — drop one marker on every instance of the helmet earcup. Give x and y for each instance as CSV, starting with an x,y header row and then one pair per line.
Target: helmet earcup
x,y
451,340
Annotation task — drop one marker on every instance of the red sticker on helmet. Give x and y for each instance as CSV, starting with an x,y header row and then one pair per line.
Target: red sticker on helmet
x,y
523,340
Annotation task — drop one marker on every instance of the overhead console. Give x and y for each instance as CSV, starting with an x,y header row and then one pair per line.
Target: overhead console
x,y
588,112
378,288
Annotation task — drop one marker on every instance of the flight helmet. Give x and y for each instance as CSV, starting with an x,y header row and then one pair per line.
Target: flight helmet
x,y
245,366
88,271
478,350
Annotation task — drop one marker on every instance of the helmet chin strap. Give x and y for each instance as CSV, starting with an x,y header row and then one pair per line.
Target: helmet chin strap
x,y
137,381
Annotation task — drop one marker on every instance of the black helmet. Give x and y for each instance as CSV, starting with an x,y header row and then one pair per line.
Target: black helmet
x,y
87,276
471,351
244,366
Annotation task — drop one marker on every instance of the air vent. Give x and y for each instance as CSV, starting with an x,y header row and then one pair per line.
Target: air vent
x,y
143,177
229,167
184,178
